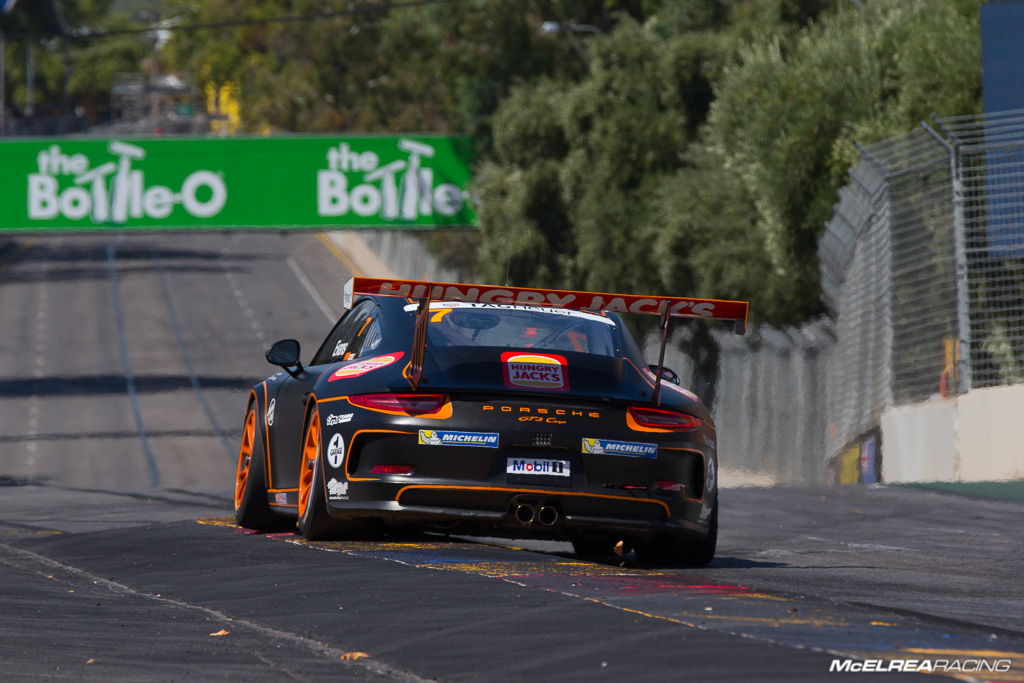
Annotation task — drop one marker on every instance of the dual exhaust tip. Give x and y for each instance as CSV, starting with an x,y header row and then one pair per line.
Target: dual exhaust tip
x,y
526,514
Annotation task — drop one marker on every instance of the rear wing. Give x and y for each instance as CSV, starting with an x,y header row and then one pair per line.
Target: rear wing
x,y
424,292
675,307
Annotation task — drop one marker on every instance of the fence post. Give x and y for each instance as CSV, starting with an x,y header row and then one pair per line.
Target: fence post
x,y
963,315
3,86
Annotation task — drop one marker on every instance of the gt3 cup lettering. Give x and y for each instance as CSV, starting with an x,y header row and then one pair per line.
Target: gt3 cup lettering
x,y
334,420
557,468
538,418
336,451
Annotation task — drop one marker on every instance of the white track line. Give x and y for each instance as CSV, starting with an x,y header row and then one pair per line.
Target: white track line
x,y
317,299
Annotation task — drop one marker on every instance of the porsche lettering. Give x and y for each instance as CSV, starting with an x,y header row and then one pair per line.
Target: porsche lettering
x,y
542,412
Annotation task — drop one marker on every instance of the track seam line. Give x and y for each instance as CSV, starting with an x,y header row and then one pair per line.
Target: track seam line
x,y
340,254
129,375
180,339
316,646
304,281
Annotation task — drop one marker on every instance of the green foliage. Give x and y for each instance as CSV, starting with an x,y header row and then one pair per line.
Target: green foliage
x,y
71,72
787,113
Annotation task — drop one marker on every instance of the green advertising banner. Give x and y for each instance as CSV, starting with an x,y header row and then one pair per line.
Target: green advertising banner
x,y
215,183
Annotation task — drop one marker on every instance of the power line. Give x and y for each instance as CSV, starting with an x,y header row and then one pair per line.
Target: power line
x,y
231,23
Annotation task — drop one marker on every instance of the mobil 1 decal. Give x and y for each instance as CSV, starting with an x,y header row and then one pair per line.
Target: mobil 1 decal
x,y
527,370
538,466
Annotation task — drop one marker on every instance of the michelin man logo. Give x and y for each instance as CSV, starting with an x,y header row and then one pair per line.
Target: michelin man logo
x,y
593,446
429,438
114,191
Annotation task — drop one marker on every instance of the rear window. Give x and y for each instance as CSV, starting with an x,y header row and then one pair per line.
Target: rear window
x,y
525,327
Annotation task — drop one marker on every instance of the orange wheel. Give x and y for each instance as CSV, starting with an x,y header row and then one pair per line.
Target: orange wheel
x,y
308,461
252,507
245,457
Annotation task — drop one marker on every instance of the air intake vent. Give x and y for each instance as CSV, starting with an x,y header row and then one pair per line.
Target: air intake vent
x,y
542,439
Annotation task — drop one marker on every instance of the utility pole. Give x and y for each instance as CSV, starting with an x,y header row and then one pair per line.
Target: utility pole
x,y
30,79
3,86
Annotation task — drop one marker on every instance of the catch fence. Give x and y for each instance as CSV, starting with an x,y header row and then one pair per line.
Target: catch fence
x,y
923,270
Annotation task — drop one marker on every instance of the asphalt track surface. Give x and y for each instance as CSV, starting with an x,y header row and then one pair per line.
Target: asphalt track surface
x,y
123,372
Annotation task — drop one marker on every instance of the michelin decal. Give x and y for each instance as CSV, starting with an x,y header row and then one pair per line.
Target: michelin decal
x,y
627,448
438,437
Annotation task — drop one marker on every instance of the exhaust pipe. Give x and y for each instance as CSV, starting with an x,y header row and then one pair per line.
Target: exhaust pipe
x,y
547,515
525,514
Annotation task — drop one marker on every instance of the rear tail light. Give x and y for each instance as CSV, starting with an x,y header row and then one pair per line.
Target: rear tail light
x,y
671,486
391,469
410,404
663,419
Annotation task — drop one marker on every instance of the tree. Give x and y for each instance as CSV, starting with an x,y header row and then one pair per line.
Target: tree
x,y
70,72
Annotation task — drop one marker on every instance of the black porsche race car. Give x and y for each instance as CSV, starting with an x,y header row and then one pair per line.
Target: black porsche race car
x,y
485,410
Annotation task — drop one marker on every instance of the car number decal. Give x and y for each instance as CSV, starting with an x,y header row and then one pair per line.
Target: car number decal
x,y
538,466
361,367
336,451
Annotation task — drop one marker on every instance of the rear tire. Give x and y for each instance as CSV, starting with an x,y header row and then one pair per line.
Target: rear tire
x,y
315,524
670,551
252,510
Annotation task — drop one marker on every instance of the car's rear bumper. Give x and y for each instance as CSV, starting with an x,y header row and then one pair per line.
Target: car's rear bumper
x,y
492,510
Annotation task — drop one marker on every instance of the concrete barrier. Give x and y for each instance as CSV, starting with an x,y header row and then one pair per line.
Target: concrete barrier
x,y
990,438
974,437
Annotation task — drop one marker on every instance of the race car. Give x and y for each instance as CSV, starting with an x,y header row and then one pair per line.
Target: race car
x,y
478,409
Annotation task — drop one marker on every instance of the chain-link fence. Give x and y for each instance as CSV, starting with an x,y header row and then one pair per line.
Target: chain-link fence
x,y
923,269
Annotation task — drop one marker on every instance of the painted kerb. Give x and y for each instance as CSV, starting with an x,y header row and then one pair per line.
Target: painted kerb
x,y
214,183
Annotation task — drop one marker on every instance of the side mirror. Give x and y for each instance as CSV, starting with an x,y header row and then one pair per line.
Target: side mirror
x,y
667,374
285,353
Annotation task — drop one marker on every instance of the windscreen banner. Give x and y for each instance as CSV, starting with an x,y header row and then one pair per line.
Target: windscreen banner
x,y
295,182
